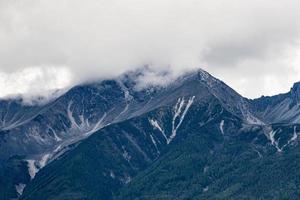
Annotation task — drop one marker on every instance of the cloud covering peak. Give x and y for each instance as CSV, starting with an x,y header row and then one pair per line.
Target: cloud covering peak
x,y
252,45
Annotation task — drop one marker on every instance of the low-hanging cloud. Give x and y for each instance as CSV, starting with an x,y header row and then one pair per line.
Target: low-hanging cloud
x,y
252,45
38,84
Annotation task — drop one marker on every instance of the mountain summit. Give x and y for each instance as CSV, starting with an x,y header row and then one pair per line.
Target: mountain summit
x,y
295,91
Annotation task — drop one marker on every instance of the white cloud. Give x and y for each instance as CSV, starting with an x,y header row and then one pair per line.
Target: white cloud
x,y
35,82
242,42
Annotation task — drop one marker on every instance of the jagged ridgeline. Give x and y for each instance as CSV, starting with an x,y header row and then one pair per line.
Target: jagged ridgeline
x,y
194,138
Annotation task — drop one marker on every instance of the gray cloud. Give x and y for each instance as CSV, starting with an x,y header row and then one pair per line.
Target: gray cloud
x,y
251,45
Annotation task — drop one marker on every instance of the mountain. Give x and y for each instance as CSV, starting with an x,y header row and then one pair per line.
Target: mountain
x,y
195,138
282,108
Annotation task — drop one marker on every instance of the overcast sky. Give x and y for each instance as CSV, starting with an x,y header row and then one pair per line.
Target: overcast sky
x,y
252,45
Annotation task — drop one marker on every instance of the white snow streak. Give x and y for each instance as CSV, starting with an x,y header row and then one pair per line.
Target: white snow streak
x,y
295,136
84,126
153,141
128,98
273,141
180,110
58,139
32,169
155,124
20,188
71,118
34,166
44,160
98,125
126,155
222,127
124,110
178,113
57,148
112,175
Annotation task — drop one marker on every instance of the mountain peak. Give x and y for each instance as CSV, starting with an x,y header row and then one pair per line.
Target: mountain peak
x,y
296,87
295,91
198,74
295,94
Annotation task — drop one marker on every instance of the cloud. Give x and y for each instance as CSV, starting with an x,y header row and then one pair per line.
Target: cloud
x,y
252,45
35,83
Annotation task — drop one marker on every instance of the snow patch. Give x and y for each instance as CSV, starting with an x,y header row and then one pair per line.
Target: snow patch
x,y
273,141
98,125
128,98
155,124
32,168
126,179
58,139
295,135
205,189
70,116
126,155
57,148
205,169
293,138
20,188
155,144
222,127
124,110
178,113
44,160
180,110
84,126
112,175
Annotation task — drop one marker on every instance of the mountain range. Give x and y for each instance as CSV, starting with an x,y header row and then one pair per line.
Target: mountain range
x,y
194,138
